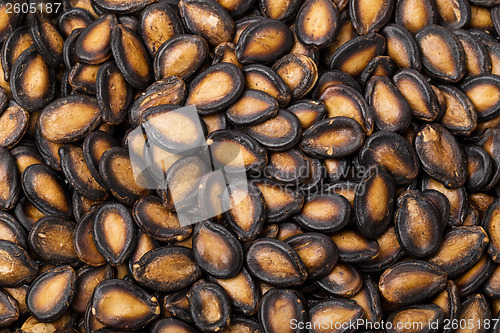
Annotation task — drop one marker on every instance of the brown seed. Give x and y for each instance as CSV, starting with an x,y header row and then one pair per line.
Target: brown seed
x,y
370,16
122,305
72,19
414,15
483,92
389,252
210,306
158,23
416,316
216,88
167,325
276,263
335,310
477,59
281,202
51,293
490,222
207,19
264,41
131,56
402,47
10,186
442,54
345,33
474,308
453,13
18,266
411,281
114,233
167,269
47,39
263,78
46,190
51,238
353,56
394,152
353,247
252,108
93,44
281,10
32,81
83,111
281,305
317,23
459,116
470,281
460,250
418,93
344,280
391,111
88,279
15,44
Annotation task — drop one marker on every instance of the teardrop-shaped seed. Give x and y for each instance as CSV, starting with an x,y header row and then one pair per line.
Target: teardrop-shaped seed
x,y
276,263
333,137
88,279
82,77
374,205
389,252
317,23
442,54
158,23
51,238
416,316
453,13
344,280
308,112
72,19
353,247
317,251
131,56
210,306
391,111
16,265
460,250
181,56
483,91
10,186
47,39
402,47
252,108
216,88
369,300
46,190
10,309
394,152
264,41
477,59
115,168
247,213
441,156
281,202
207,19
114,233
226,145
51,293
11,230
122,305
113,94
171,90
281,305
83,111
78,174
370,16
263,78
418,93
93,44
474,309
411,281
353,56
324,213
279,10
417,224
472,279
167,269
338,311
15,44
415,14
32,81
243,292
459,117
172,325
216,250
299,73
157,221
490,223
457,198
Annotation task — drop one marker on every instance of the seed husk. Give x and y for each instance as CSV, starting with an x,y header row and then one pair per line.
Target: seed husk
x,y
411,281
489,224
263,78
278,305
93,44
51,293
281,202
344,280
207,19
479,167
46,190
72,19
469,281
402,47
114,233
276,263
418,315
229,83
88,279
414,15
209,306
264,41
370,16
338,310
17,265
122,305
452,257
252,108
167,269
172,325
15,44
311,30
